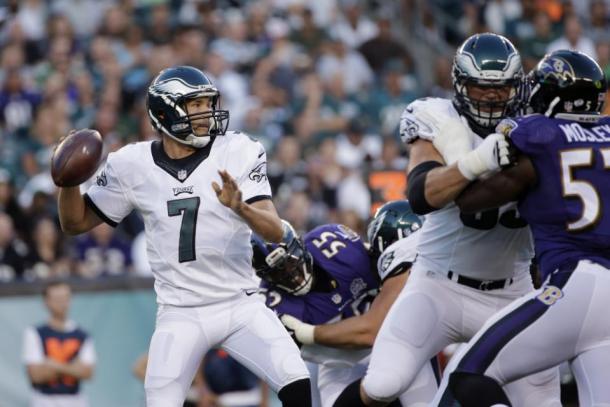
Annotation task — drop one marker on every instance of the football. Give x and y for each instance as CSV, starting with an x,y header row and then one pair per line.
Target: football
x,y
77,157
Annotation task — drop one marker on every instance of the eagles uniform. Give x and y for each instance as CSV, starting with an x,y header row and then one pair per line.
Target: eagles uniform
x,y
200,256
468,267
341,255
565,320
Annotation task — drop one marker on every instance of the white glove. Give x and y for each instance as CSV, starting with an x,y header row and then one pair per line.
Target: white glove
x,y
450,135
302,332
491,155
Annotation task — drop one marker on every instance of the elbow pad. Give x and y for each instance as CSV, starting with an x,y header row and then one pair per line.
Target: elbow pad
x,y
416,187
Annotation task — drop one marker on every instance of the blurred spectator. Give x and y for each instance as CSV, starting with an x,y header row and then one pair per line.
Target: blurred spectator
x,y
9,206
573,38
233,44
286,171
384,107
17,103
348,66
353,27
13,251
355,149
383,48
500,16
47,257
58,354
533,48
85,15
309,35
598,28
102,252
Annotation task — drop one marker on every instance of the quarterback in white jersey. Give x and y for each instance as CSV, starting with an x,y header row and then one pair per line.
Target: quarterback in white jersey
x,y
197,236
468,266
341,345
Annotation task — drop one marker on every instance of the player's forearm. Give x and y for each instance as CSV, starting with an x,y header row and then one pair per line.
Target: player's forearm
x,y
443,185
72,207
350,333
262,221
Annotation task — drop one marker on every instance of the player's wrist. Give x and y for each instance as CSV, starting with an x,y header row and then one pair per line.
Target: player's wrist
x,y
305,333
471,166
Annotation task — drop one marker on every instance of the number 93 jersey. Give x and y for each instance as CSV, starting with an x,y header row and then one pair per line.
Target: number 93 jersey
x,y
198,249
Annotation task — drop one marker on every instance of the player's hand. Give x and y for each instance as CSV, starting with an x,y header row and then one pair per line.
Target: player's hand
x,y
299,330
492,154
229,195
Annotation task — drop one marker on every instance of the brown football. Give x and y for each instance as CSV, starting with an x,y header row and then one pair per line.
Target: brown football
x,y
77,158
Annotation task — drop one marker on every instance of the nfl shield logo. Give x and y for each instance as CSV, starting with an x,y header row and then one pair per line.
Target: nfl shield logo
x,y
182,175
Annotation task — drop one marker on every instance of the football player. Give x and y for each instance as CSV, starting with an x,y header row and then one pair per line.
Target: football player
x,y
333,293
198,238
561,180
469,266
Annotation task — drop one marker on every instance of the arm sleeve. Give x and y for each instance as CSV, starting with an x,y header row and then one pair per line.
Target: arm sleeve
x,y
87,353
253,182
106,197
32,347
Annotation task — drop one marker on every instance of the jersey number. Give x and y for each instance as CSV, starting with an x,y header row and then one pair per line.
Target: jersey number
x,y
583,190
488,219
334,246
188,208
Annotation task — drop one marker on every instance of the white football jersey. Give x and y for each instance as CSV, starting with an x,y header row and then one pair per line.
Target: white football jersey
x,y
199,250
490,245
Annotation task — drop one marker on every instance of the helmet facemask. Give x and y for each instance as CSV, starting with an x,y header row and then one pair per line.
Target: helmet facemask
x,y
289,267
486,112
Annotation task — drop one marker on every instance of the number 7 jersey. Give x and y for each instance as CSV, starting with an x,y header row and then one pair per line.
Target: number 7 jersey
x,y
198,249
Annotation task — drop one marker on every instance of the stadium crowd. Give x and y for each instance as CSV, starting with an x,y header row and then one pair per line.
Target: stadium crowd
x,y
320,83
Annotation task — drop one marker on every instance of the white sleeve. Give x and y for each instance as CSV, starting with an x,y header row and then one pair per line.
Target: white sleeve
x,y
32,347
253,181
398,257
424,118
106,196
87,353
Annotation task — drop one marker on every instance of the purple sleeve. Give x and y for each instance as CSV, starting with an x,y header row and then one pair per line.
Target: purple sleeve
x,y
532,134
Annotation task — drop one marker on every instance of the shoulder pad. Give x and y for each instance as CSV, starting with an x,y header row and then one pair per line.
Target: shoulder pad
x,y
424,118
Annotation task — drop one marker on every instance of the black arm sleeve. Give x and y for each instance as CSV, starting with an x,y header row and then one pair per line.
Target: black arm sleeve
x,y
416,187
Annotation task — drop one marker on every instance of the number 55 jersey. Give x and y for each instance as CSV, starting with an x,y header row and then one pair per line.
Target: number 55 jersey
x,y
198,249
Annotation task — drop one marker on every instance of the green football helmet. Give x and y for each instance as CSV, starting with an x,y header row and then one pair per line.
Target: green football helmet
x,y
487,61
393,221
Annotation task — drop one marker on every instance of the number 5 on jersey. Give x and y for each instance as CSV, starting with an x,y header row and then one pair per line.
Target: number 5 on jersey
x,y
188,208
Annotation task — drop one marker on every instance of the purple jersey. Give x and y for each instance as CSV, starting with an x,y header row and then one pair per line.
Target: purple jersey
x,y
569,209
339,252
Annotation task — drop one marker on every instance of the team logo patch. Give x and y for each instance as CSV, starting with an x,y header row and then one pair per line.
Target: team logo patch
x,y
357,286
336,298
559,69
182,174
347,233
101,179
386,261
183,190
550,295
258,173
